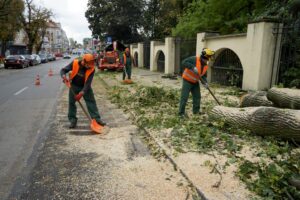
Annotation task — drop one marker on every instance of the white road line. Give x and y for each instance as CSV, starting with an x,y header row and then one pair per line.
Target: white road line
x,y
20,91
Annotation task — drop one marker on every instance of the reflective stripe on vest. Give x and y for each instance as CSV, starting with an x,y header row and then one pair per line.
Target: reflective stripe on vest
x,y
75,69
198,65
190,76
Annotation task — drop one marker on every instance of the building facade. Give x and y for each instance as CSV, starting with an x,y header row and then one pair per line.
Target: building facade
x,y
55,40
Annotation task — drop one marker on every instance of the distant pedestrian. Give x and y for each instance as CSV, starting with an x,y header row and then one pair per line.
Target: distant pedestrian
x,y
128,60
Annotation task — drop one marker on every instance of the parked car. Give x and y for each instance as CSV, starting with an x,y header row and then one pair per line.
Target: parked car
x,y
53,56
44,58
16,61
37,58
50,57
58,55
31,59
67,56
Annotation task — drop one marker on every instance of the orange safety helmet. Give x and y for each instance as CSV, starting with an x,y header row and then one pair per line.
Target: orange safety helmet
x,y
88,59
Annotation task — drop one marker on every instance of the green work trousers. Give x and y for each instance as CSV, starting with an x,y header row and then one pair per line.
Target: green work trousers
x,y
188,87
89,100
128,72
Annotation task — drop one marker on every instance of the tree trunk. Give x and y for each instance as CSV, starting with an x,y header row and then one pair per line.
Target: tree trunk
x,y
255,99
3,48
295,182
284,123
285,97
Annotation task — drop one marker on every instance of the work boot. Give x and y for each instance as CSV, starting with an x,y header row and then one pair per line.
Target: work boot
x,y
183,116
102,123
73,124
199,113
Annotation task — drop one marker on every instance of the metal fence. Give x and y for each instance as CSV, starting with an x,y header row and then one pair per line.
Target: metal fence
x,y
184,48
136,58
227,69
147,54
161,62
288,72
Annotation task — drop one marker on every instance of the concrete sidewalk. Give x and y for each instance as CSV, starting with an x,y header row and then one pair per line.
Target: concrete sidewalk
x,y
78,164
192,164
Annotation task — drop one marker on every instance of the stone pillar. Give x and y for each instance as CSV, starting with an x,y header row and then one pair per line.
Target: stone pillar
x,y
260,62
153,64
200,42
169,55
141,55
131,49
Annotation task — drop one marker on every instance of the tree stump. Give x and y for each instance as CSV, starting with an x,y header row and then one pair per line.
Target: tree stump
x,y
255,99
285,97
265,121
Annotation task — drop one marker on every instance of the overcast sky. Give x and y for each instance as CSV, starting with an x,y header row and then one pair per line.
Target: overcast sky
x,y
71,15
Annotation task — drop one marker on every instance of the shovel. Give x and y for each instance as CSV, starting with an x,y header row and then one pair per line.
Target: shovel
x,y
97,128
203,83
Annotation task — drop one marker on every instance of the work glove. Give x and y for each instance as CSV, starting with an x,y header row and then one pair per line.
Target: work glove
x,y
78,96
65,80
205,85
195,70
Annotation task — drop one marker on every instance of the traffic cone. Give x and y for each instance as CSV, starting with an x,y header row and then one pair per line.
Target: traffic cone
x,y
50,73
37,80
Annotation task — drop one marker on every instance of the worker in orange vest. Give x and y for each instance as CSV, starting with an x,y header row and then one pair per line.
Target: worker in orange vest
x,y
81,77
194,67
128,60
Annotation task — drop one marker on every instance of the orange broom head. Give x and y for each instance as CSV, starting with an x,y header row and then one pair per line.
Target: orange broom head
x,y
97,128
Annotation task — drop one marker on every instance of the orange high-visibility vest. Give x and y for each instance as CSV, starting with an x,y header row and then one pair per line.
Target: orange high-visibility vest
x,y
190,76
75,69
125,59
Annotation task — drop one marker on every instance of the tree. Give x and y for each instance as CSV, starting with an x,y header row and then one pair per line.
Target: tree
x,y
35,24
72,43
226,16
10,12
116,18
160,16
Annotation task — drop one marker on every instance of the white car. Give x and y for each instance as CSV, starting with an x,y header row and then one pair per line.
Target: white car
x,y
37,57
67,56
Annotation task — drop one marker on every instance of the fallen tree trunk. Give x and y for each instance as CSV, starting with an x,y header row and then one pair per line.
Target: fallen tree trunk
x,y
295,182
255,99
285,97
266,121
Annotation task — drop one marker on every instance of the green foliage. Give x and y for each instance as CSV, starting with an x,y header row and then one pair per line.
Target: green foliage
x,y
10,12
156,108
291,77
116,18
161,16
227,16
271,179
34,22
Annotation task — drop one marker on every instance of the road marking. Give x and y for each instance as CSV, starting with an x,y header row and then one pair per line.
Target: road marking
x,y
20,91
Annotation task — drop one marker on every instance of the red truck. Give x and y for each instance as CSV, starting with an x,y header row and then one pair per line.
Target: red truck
x,y
111,58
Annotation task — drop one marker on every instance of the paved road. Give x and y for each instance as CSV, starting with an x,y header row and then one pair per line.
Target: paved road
x,y
25,111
